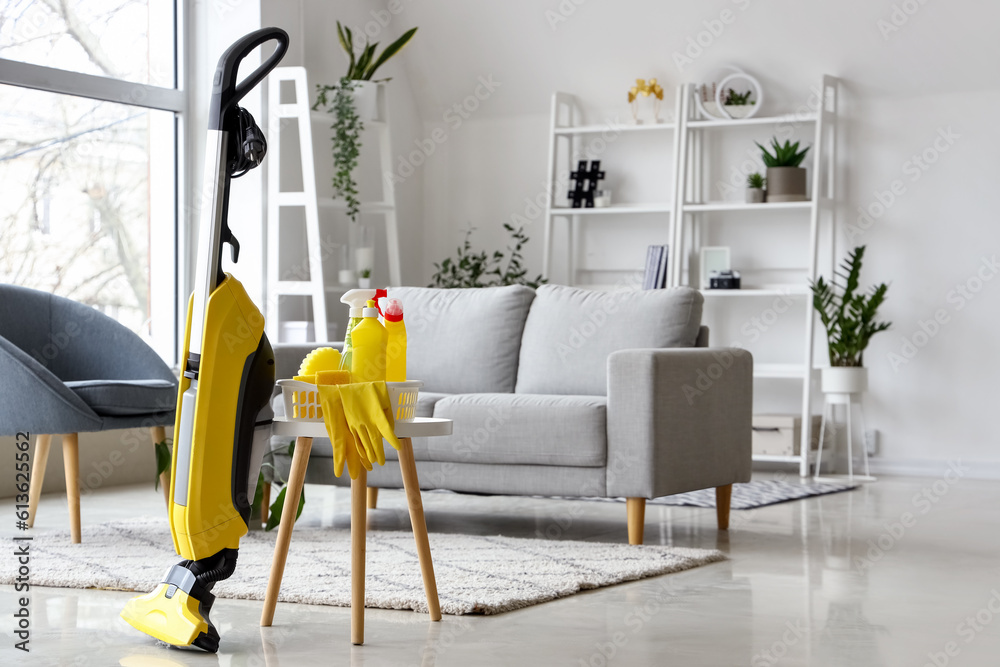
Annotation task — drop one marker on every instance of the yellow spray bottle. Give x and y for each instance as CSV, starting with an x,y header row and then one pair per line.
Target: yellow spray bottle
x,y
369,343
395,351
356,299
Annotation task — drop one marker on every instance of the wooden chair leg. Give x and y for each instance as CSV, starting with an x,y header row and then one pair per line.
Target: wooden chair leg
x,y
372,497
159,434
636,510
71,460
723,495
359,529
293,491
38,463
408,466
265,502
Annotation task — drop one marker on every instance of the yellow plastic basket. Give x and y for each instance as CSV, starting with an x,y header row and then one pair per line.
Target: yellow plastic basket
x,y
302,401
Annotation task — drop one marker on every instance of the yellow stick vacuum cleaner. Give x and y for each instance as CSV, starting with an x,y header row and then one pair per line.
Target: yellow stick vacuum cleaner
x,y
223,419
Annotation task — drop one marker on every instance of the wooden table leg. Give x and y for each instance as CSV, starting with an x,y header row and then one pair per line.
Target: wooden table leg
x,y
359,516
265,502
293,491
408,466
38,463
71,460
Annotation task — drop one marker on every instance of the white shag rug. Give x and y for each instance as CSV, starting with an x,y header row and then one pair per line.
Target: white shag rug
x,y
475,574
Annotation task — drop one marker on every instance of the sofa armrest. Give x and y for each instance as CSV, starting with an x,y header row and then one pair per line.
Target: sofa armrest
x,y
678,420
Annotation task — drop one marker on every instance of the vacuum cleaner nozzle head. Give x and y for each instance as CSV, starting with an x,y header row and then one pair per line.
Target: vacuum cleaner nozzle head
x,y
175,615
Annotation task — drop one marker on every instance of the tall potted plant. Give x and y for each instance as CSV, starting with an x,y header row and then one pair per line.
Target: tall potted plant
x,y
786,180
849,318
351,102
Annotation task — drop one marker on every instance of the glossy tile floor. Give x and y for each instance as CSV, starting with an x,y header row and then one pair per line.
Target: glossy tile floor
x,y
902,572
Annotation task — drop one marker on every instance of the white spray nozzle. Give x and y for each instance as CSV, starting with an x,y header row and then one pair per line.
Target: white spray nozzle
x,y
356,299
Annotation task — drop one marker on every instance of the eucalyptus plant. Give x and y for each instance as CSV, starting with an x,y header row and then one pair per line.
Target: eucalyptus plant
x,y
847,313
480,269
347,128
784,156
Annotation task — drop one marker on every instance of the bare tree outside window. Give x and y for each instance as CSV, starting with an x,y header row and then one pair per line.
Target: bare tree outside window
x,y
75,172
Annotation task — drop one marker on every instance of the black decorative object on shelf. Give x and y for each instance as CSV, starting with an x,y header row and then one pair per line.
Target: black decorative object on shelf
x,y
724,280
585,183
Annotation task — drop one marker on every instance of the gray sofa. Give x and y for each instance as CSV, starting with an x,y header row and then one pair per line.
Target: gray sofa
x,y
566,392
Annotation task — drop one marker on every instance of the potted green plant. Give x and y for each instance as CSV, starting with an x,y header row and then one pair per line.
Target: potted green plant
x,y
849,318
738,105
481,269
352,101
365,278
786,180
755,188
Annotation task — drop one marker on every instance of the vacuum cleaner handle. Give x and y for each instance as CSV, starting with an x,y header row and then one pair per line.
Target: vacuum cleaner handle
x,y
226,93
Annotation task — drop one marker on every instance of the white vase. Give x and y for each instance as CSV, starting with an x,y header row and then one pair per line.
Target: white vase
x,y
366,99
755,196
365,283
844,379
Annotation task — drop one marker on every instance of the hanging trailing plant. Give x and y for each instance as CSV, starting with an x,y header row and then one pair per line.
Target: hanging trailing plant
x,y
347,128
847,314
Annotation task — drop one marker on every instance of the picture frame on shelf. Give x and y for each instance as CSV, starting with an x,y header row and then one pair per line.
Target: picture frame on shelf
x,y
712,258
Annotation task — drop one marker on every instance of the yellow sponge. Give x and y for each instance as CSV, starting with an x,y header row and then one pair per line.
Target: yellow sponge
x,y
333,377
320,359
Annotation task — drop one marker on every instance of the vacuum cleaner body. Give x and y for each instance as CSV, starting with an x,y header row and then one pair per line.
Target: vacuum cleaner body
x,y
223,421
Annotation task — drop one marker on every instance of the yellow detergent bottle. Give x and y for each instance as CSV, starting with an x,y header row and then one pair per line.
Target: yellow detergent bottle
x,y
395,350
369,340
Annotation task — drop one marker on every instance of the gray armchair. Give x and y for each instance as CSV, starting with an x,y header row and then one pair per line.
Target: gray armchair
x,y
66,368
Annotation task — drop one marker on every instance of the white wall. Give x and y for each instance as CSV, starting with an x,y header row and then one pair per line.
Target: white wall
x,y
903,89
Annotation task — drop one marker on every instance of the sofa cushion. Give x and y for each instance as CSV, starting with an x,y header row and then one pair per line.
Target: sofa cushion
x,y
119,398
464,340
571,332
522,429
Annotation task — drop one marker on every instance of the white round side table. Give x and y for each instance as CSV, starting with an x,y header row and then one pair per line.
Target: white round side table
x,y
304,432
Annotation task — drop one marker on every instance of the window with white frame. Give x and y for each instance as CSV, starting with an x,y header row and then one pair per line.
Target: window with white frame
x,y
89,110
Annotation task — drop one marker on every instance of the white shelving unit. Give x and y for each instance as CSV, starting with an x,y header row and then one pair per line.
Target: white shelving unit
x,y
566,131
308,199
685,202
818,211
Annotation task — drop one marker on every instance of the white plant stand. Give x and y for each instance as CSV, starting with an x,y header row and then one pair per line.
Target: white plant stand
x,y
849,401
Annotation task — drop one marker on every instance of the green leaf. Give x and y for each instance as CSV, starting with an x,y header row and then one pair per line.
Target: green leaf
x,y
391,50
163,460
274,515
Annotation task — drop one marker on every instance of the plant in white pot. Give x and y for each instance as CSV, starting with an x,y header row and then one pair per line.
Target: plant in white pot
x,y
755,188
786,180
352,101
848,315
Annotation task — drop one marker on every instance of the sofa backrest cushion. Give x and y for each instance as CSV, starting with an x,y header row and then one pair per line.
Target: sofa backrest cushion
x,y
464,341
570,332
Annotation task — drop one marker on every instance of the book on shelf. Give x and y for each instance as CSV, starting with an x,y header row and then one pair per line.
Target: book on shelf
x,y
655,276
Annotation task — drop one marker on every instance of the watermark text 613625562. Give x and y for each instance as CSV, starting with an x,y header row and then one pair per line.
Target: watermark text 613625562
x,y
22,545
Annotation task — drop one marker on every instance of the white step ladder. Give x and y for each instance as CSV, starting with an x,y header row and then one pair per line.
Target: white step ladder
x,y
276,200
301,111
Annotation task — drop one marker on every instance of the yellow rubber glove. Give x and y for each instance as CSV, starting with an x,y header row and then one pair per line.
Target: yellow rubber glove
x,y
368,413
345,447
